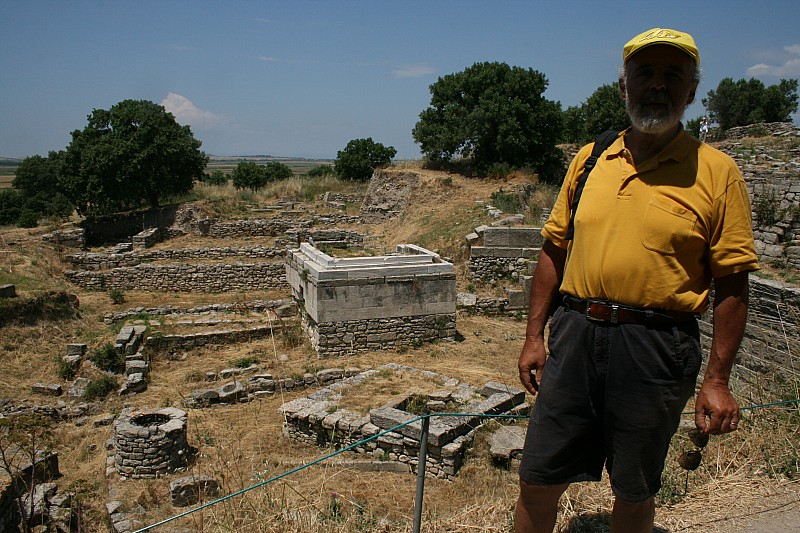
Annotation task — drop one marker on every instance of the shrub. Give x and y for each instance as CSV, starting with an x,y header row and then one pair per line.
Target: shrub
x,y
277,171
117,296
100,388
108,358
507,202
217,177
64,370
359,159
28,218
243,362
321,171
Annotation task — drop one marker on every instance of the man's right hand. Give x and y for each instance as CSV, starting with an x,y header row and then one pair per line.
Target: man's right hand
x,y
531,363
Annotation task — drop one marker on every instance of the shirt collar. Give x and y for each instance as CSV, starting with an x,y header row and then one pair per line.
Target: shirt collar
x,y
677,150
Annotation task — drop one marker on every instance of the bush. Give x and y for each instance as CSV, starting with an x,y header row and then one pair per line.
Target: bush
x,y
100,388
28,218
243,362
507,202
10,200
277,171
361,157
64,370
217,177
249,175
117,296
108,358
321,171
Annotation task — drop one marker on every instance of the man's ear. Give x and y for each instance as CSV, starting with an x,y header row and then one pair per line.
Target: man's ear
x,y
622,88
692,93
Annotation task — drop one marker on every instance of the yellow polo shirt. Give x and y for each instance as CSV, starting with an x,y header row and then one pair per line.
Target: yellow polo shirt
x,y
655,234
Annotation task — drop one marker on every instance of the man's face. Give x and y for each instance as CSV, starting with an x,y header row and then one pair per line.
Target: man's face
x,y
658,86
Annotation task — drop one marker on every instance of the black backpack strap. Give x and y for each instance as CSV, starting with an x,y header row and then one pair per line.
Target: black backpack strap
x,y
603,141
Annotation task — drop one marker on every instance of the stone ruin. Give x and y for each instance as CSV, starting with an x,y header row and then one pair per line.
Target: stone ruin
x,y
150,442
373,303
317,419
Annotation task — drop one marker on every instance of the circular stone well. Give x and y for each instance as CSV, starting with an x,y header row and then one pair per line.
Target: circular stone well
x,y
150,442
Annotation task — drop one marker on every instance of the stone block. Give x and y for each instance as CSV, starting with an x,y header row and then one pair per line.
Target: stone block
x,y
504,442
76,349
193,489
47,389
8,291
500,237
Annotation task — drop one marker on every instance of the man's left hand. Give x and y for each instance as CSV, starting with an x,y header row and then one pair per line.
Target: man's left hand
x,y
716,410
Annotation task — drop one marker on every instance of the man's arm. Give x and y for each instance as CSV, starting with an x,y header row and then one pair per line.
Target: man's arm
x,y
716,410
546,281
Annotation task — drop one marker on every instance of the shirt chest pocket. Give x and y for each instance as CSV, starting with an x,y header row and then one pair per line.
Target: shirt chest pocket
x,y
667,226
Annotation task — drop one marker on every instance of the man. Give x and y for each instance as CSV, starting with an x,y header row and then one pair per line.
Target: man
x,y
661,215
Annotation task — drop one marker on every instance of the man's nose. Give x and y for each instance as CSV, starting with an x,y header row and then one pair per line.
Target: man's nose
x,y
658,81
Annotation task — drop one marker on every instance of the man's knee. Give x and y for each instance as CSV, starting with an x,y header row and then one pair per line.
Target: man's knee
x,y
540,495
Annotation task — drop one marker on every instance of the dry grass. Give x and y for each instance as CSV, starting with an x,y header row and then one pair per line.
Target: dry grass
x,y
242,445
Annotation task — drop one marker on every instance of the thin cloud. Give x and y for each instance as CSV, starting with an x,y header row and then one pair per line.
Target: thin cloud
x,y
412,71
268,59
790,67
182,48
187,113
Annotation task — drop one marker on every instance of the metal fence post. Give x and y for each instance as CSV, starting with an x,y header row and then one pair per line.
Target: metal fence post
x,y
422,458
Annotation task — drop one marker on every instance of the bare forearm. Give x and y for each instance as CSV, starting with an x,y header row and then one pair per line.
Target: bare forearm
x,y
546,281
730,318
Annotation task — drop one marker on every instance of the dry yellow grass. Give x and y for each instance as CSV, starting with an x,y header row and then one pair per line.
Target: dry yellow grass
x,y
242,445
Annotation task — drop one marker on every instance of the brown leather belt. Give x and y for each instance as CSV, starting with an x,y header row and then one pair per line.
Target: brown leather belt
x,y
621,314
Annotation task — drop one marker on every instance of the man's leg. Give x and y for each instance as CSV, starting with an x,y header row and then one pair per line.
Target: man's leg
x,y
633,517
537,507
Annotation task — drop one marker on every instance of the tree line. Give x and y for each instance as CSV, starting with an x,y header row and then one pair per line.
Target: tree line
x,y
485,120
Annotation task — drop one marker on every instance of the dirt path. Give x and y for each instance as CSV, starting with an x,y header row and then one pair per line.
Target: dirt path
x,y
756,508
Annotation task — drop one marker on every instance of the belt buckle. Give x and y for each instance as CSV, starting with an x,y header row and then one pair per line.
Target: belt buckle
x,y
614,312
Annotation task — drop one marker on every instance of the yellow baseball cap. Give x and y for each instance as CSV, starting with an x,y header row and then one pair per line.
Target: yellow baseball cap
x,y
678,39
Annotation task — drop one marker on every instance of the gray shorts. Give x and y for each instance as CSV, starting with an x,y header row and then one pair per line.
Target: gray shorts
x,y
610,394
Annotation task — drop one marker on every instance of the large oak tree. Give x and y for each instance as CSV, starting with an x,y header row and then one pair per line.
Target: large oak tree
x,y
492,113
128,156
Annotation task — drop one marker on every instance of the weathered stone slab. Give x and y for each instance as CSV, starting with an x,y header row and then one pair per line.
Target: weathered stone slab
x,y
193,489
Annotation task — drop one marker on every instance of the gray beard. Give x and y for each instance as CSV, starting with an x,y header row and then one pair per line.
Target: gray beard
x,y
654,124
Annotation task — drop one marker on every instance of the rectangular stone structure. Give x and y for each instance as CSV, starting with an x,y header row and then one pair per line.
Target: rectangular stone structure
x,y
410,284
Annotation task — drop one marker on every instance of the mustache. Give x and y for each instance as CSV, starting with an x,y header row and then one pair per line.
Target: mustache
x,y
656,98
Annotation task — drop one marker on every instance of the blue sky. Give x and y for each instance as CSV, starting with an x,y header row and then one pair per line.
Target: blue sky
x,y
302,78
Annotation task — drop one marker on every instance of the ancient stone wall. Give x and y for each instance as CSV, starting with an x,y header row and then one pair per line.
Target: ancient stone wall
x,y
388,194
106,261
335,339
503,253
317,420
219,277
770,351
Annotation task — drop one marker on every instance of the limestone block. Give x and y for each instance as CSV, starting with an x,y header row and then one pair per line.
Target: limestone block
x,y
330,374
505,442
512,237
231,392
136,366
193,489
8,291
47,389
134,383
76,349
493,387
78,387
465,299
